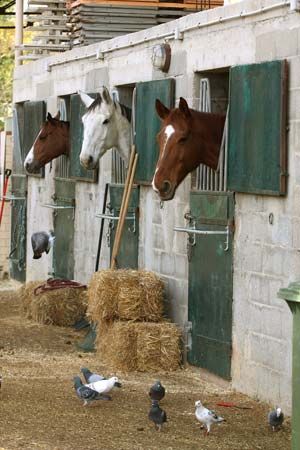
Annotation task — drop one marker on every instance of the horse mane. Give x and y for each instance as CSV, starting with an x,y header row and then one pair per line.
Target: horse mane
x,y
96,102
125,111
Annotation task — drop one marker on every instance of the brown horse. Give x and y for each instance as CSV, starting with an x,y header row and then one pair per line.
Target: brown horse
x,y
52,141
187,138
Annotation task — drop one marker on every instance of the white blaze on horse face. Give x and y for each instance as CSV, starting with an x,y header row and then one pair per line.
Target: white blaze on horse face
x,y
29,158
169,130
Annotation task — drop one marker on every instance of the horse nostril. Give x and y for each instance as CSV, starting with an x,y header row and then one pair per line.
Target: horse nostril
x,y
166,187
90,160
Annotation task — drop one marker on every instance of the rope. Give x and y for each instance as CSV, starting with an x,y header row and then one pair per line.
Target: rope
x,y
58,283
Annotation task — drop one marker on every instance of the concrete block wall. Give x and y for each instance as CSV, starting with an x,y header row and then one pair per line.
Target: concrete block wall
x,y
266,255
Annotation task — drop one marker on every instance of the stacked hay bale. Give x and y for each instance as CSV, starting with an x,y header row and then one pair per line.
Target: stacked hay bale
x,y
62,307
132,334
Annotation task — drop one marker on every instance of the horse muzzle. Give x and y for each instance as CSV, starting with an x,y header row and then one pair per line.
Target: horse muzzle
x,y
166,191
33,167
89,163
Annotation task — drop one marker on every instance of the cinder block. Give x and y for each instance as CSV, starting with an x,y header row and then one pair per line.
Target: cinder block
x,y
265,48
268,352
286,43
273,260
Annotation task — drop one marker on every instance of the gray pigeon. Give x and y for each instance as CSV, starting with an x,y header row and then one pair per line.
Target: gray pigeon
x,y
276,418
91,377
157,391
157,415
41,242
85,393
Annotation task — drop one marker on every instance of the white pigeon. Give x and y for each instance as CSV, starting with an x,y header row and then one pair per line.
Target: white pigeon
x,y
206,416
104,386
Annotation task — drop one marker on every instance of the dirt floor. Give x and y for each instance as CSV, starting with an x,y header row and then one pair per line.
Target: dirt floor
x,y
39,408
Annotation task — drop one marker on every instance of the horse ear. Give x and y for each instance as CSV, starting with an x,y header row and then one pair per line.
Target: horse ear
x,y
57,117
161,109
106,95
86,99
184,107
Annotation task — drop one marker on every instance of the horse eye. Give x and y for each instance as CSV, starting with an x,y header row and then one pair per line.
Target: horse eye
x,y
105,121
43,137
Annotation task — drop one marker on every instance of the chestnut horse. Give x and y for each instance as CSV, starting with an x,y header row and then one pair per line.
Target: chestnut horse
x,y
52,141
187,138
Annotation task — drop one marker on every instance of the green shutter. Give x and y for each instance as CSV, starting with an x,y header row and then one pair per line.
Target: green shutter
x,y
77,172
34,117
148,124
257,128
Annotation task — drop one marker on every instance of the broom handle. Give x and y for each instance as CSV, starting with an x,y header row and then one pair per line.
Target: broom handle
x,y
122,217
131,160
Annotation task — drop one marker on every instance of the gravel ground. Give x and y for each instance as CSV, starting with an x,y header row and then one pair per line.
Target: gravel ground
x,y
39,408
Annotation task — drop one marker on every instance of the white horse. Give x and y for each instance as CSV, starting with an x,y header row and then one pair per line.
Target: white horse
x,y
106,125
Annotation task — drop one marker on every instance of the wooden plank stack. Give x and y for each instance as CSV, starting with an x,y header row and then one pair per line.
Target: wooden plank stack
x,y
59,25
98,20
48,20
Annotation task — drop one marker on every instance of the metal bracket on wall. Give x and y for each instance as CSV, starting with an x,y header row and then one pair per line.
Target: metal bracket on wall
x,y
192,231
112,217
57,207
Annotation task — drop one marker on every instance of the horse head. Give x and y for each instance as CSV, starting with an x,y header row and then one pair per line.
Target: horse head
x,y
105,126
52,141
187,138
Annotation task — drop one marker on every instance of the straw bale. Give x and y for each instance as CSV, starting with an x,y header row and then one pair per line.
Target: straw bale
x,y
62,307
25,295
141,346
102,296
116,345
135,295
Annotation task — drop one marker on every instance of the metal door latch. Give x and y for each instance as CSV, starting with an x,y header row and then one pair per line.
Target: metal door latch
x,y
191,230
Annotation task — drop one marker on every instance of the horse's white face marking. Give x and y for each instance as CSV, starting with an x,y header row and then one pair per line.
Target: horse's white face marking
x,y
30,155
169,130
104,128
29,158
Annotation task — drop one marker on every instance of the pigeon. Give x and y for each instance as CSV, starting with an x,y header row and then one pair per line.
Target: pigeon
x,y
275,418
104,386
42,241
157,391
85,393
157,415
206,416
91,377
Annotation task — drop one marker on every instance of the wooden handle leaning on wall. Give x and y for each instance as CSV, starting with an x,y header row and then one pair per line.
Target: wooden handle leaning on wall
x,y
124,207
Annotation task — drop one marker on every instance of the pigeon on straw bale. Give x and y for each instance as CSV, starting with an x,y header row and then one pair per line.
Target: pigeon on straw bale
x,y
104,386
157,391
85,393
91,377
206,416
276,418
157,415
41,242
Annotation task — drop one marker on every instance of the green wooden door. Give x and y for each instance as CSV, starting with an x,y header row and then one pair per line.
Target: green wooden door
x,y
17,254
77,110
128,254
148,124
64,216
210,283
